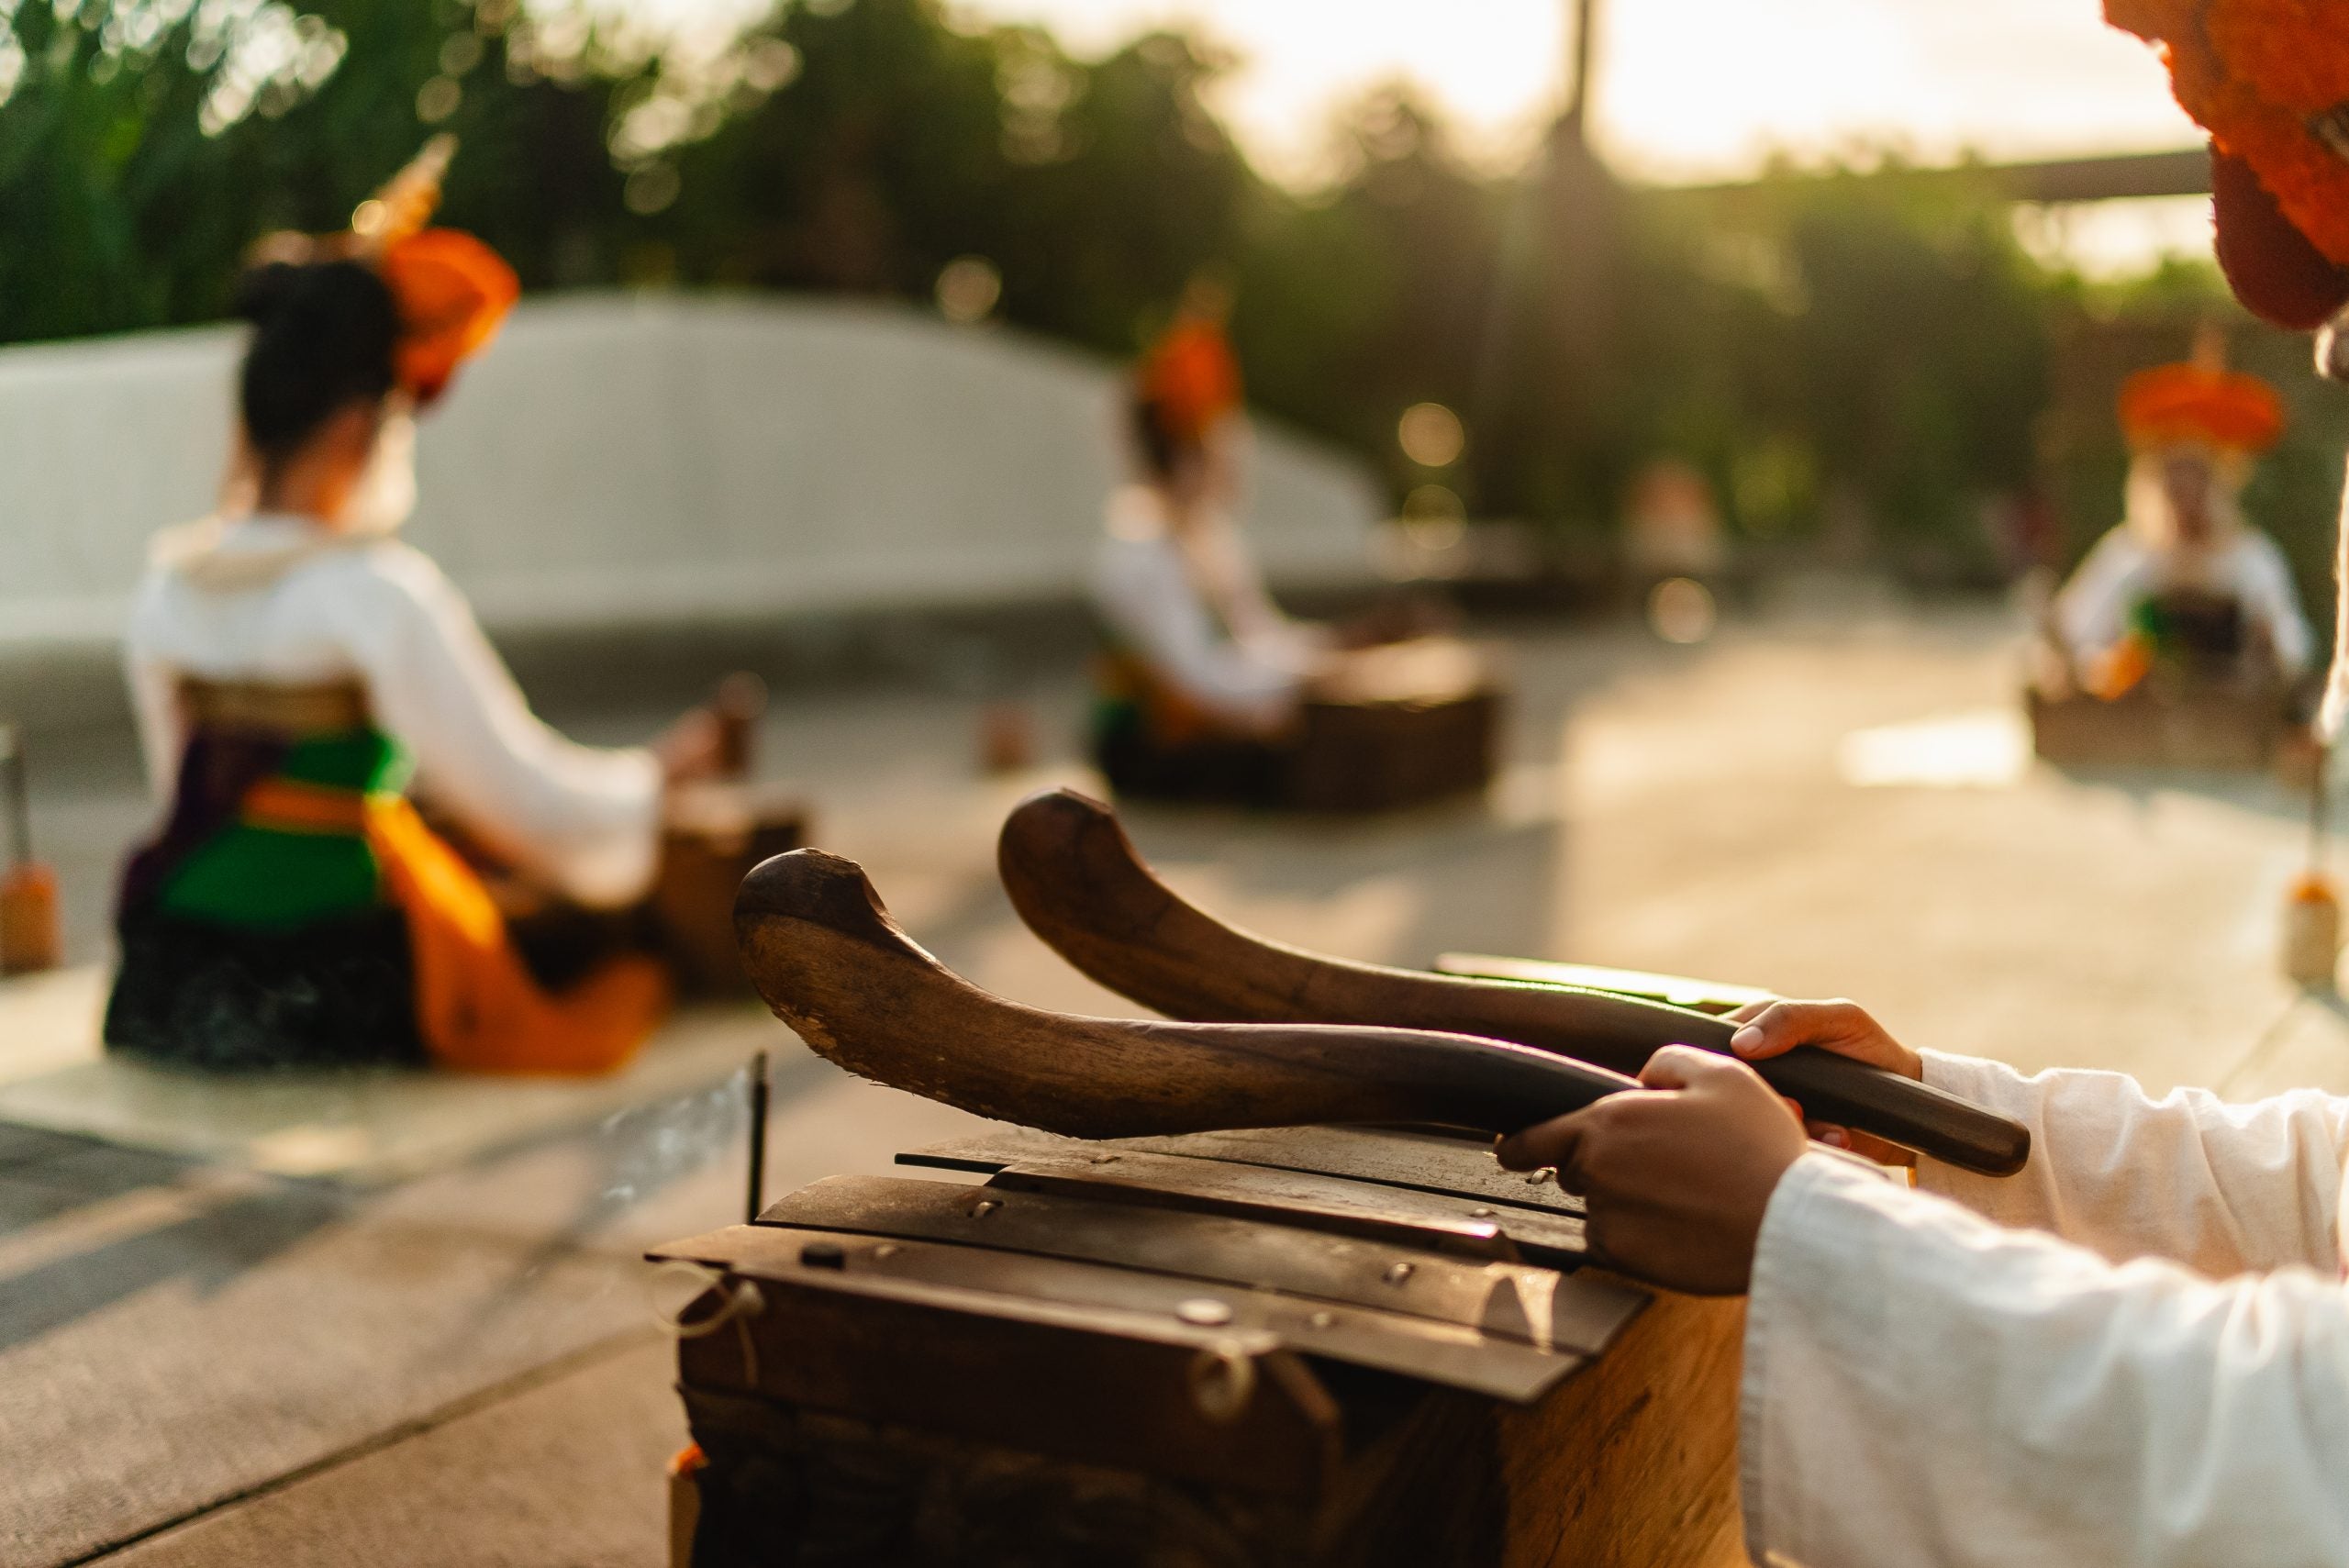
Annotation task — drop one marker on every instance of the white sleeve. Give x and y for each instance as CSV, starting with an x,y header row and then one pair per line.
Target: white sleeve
x,y
2092,610
1236,585
2272,599
2220,1188
583,820
1148,602
1924,1389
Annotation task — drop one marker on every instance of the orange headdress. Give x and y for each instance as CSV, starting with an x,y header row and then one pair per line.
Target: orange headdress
x,y
1190,378
2201,403
2269,80
453,291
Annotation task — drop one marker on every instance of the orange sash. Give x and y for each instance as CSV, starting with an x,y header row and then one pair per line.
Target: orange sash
x,y
477,1007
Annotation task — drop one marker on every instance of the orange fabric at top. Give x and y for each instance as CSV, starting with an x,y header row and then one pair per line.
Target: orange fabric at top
x,y
1192,378
2225,410
453,293
2262,76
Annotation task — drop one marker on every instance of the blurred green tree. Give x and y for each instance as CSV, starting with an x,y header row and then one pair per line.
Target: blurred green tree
x,y
1859,361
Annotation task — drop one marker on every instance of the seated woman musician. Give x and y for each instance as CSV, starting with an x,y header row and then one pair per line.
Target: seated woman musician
x,y
295,667
2184,579
1203,672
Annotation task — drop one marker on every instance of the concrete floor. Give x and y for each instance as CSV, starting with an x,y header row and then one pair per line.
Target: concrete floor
x,y
463,1369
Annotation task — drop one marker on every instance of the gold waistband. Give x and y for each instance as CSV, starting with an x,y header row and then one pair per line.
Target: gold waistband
x,y
327,709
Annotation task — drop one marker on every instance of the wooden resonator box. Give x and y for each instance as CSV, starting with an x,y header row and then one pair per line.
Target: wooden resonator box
x,y
1307,1346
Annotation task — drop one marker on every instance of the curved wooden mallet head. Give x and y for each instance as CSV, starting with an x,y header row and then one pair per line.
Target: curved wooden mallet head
x,y
828,958
1076,880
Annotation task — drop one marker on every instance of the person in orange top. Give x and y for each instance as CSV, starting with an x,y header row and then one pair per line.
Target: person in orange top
x,y
2183,576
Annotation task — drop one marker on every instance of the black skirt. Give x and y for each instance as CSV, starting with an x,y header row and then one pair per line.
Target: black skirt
x,y
336,994
1222,771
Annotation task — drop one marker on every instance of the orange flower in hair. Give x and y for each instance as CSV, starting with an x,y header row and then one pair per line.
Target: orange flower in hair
x,y
2189,403
1191,378
453,293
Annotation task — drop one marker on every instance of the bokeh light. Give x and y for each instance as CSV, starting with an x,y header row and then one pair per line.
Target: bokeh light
x,y
1431,435
969,287
438,99
1681,609
1434,505
650,189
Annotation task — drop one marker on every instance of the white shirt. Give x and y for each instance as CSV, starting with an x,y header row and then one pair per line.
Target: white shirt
x,y
2123,570
273,599
1932,1377
1196,609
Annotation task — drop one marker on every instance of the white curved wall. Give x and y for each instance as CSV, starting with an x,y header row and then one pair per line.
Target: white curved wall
x,y
656,458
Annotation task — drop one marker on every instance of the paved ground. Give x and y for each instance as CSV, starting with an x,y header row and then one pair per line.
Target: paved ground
x,y
463,1369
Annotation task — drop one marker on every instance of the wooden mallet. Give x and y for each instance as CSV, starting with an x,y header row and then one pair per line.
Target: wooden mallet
x,y
1076,880
828,960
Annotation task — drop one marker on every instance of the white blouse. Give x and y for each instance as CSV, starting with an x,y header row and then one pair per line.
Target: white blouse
x,y
2121,572
2135,1353
1197,610
273,599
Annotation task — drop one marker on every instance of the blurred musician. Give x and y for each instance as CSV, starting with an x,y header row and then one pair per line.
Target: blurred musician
x,y
295,667
1203,670
2184,578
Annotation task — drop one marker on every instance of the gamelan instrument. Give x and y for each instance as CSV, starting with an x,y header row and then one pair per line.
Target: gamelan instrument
x,y
1233,1294
1078,881
1301,1349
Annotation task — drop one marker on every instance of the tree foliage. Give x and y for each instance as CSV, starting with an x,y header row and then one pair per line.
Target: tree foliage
x,y
1865,351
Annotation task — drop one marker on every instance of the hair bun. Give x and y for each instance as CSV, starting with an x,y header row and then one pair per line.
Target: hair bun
x,y
265,290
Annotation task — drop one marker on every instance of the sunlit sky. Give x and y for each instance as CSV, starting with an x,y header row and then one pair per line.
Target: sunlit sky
x,y
1686,89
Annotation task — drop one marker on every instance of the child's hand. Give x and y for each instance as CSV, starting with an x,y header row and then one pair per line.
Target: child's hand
x,y
1774,1028
1676,1179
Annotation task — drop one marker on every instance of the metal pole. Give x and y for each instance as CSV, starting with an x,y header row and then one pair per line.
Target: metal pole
x,y
20,811
1580,63
755,1198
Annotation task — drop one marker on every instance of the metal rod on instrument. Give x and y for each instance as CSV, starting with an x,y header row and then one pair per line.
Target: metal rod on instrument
x,y
755,1198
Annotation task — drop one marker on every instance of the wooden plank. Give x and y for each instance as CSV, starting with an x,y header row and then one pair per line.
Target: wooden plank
x,y
1388,1157
1634,1463
1631,1464
1416,1162
1443,1353
1291,1198
1510,1301
1105,1387
562,1470
1459,1226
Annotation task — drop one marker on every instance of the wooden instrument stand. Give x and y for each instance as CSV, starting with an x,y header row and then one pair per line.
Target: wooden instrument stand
x,y
1314,1346
1389,726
